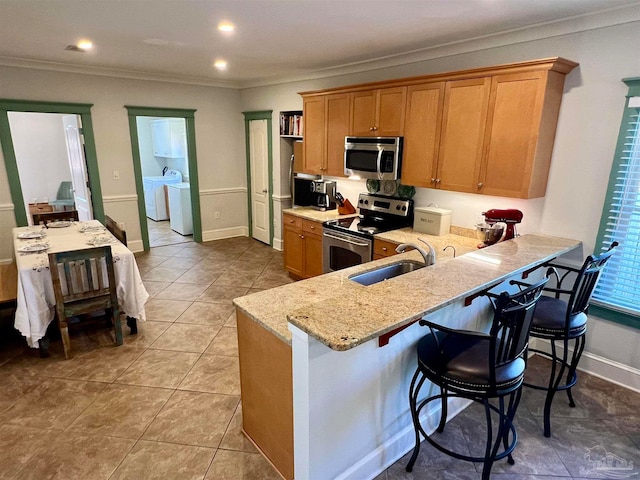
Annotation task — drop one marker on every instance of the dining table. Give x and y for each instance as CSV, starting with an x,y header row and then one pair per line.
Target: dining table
x,y
36,302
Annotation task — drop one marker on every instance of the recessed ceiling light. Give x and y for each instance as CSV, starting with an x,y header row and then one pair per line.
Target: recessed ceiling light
x,y
226,27
220,64
85,45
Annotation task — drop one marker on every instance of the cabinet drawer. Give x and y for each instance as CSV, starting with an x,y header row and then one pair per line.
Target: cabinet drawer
x,y
292,221
310,226
384,248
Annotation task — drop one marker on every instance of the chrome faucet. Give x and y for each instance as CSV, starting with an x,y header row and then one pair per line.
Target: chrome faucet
x,y
429,257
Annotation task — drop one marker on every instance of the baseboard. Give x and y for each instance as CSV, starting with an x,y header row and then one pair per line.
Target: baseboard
x,y
399,445
609,370
278,244
210,235
135,246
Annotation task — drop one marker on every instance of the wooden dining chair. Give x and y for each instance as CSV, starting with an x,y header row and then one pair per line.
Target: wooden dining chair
x,y
46,218
84,282
115,229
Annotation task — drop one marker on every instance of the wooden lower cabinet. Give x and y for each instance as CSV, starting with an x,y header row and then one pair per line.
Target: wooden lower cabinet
x,y
383,249
266,382
302,246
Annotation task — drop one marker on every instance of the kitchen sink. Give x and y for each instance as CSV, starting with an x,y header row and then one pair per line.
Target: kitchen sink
x,y
386,272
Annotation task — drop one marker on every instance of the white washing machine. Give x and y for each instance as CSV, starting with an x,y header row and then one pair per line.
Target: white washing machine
x,y
154,198
180,208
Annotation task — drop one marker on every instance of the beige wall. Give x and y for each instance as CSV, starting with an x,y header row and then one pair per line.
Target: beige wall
x,y
219,143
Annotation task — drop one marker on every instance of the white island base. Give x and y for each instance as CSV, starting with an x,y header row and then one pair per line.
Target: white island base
x,y
351,408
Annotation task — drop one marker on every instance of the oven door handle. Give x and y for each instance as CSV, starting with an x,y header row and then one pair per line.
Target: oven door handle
x,y
346,240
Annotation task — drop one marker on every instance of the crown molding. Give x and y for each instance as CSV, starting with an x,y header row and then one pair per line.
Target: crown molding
x,y
113,72
566,26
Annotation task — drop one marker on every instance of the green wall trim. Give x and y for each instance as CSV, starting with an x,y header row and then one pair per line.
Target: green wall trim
x,y
258,115
160,112
11,165
189,117
615,316
248,117
634,86
44,107
607,313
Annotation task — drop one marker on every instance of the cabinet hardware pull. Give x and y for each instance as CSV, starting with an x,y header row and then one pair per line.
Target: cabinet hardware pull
x,y
301,236
480,184
433,180
437,181
371,129
384,249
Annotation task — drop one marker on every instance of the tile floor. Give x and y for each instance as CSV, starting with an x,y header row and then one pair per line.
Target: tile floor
x,y
166,405
160,234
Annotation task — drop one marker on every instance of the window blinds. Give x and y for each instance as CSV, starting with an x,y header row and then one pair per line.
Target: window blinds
x,y
619,285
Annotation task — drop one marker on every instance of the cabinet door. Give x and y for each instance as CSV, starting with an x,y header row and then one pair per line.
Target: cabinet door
x,y
337,128
314,135
363,113
462,138
390,108
160,138
423,121
293,251
312,255
513,123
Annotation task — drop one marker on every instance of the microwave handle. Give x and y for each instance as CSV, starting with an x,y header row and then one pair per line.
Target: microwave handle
x,y
378,163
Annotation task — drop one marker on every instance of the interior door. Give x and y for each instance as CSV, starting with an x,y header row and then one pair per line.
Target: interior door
x,y
259,161
78,166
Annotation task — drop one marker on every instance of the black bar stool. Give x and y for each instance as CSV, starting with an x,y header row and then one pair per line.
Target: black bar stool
x,y
557,320
479,367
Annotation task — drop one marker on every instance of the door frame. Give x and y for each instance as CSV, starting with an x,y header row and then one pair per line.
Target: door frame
x,y
8,151
248,117
189,118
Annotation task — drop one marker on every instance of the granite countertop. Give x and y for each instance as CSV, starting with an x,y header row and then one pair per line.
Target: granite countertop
x,y
343,314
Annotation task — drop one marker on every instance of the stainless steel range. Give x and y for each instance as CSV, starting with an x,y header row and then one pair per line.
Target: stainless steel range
x,y
349,241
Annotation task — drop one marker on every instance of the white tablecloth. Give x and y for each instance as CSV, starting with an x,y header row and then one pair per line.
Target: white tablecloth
x,y
36,301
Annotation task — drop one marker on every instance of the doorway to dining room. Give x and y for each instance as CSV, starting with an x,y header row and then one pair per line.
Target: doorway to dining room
x,y
50,157
51,163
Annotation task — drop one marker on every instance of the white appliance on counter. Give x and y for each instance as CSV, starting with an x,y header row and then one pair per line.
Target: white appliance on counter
x,y
180,208
154,198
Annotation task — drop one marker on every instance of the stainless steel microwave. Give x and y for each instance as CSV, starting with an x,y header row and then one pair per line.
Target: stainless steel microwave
x,y
379,158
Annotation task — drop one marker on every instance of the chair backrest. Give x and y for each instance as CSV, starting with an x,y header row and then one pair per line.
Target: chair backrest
x,y
586,281
84,275
46,218
115,229
65,191
512,319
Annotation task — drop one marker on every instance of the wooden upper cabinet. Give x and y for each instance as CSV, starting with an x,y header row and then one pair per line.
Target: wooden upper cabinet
x,y
487,130
378,113
423,121
462,139
517,147
314,134
337,128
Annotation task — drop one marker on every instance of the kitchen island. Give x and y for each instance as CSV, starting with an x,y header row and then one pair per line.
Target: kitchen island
x,y
328,361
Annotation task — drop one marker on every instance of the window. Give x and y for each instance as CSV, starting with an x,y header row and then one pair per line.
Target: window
x,y
617,296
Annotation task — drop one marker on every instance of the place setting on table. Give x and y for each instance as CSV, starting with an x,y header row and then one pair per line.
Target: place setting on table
x,y
36,302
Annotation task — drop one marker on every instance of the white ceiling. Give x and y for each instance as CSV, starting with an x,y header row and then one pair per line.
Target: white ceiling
x,y
274,39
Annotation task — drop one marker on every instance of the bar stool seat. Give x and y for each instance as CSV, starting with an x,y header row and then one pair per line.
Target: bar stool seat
x,y
480,367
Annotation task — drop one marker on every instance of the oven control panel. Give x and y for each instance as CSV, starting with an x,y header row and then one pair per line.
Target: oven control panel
x,y
388,205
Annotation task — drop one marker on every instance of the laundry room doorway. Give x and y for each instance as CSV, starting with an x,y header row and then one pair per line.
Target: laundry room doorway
x,y
163,148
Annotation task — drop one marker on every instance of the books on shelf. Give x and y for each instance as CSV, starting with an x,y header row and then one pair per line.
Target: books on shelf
x,y
291,124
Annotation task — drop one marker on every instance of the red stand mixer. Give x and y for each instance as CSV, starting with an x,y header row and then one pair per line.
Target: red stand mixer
x,y
491,231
